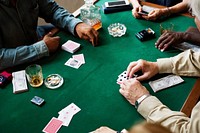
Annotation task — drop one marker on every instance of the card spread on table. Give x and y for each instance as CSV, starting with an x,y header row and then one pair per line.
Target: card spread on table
x,y
70,46
76,61
165,82
64,118
67,113
53,126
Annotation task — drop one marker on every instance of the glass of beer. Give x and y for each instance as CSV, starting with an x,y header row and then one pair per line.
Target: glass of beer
x,y
34,75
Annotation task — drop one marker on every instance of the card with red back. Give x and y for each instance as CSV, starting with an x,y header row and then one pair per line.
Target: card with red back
x,y
70,46
53,126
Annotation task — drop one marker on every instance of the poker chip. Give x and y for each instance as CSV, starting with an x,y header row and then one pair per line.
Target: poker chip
x,y
53,81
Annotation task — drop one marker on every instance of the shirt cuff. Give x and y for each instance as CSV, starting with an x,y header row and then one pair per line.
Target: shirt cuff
x,y
73,25
41,49
165,65
147,105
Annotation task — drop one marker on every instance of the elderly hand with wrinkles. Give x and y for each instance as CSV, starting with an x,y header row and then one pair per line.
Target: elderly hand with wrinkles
x,y
132,89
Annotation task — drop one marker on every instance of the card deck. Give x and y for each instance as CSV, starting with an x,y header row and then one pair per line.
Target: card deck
x,y
37,100
70,46
19,82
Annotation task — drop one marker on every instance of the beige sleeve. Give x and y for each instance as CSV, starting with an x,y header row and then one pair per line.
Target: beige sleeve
x,y
154,111
184,64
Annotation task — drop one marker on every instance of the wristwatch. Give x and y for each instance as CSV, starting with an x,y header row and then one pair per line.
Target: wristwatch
x,y
137,102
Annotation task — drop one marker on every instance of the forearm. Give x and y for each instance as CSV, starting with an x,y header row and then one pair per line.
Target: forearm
x,y
154,111
192,36
180,7
58,16
135,3
22,54
185,64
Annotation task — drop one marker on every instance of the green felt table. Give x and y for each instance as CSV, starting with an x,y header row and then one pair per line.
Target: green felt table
x,y
93,86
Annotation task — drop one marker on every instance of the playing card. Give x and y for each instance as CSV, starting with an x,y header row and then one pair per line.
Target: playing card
x,y
79,57
70,46
165,82
73,63
122,77
67,113
53,126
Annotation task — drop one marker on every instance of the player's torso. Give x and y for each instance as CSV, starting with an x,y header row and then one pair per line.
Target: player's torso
x,y
164,2
18,23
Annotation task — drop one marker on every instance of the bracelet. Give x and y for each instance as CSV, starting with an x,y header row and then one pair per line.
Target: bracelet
x,y
168,12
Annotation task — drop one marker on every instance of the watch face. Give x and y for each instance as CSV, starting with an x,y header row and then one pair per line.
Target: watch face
x,y
136,104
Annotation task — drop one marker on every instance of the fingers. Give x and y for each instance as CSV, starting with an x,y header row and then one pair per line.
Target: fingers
x,y
164,41
143,77
92,36
129,68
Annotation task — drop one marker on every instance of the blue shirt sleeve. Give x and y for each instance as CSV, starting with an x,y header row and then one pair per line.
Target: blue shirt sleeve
x,y
57,15
22,54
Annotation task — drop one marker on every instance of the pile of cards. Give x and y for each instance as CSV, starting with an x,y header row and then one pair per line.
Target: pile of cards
x,y
70,46
64,118
76,61
19,82
165,82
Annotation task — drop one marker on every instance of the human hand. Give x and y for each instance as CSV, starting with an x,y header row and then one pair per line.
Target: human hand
x,y
169,38
51,42
149,69
132,90
104,129
135,11
153,15
157,13
86,32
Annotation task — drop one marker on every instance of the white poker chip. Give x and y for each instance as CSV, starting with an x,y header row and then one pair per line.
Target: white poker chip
x,y
53,81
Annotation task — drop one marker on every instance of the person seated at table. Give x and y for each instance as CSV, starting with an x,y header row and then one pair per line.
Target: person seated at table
x,y
19,39
138,128
173,7
192,35
185,64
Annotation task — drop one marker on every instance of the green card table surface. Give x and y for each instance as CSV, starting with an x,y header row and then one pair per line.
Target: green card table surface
x,y
93,86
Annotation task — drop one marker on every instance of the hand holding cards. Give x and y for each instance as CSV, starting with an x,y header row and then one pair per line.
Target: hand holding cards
x,y
123,76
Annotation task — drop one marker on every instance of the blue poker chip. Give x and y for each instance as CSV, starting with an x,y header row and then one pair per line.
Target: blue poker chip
x,y
53,81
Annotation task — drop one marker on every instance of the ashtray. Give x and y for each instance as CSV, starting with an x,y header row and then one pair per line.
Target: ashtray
x,y
117,29
53,81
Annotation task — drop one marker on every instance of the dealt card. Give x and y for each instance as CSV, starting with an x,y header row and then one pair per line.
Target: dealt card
x,y
66,114
79,57
73,63
53,126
